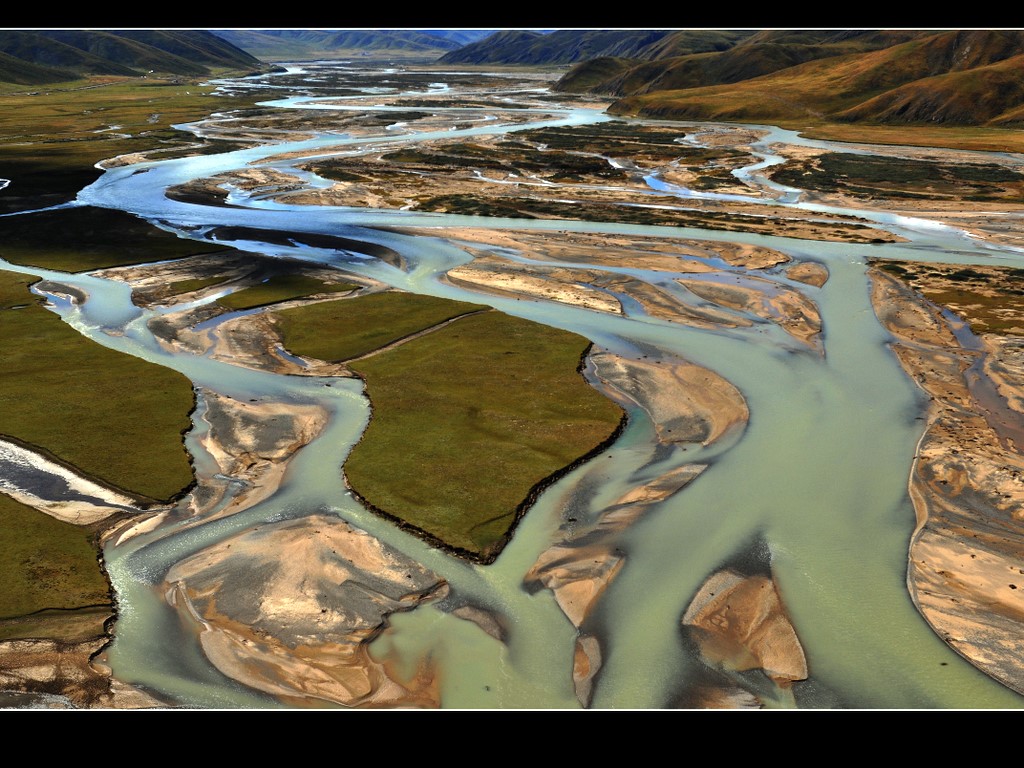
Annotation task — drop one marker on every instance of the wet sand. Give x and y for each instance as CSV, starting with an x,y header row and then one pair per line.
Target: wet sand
x,y
965,572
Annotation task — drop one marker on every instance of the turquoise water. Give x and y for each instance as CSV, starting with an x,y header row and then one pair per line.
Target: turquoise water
x,y
817,479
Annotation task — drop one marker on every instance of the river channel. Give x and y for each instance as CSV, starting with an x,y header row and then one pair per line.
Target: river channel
x,y
816,482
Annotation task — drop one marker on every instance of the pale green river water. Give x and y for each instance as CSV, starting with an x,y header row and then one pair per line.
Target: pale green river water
x,y
817,481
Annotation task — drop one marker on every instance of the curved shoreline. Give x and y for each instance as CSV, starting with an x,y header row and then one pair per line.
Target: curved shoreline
x,y
491,554
967,541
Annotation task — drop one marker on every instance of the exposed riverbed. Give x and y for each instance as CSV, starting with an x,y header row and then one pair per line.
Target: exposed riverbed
x,y
809,494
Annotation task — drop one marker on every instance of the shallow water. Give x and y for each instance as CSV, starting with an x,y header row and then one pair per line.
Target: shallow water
x,y
817,480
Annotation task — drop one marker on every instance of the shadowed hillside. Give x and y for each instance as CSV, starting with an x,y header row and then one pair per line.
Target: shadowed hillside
x,y
568,46
956,77
46,56
307,44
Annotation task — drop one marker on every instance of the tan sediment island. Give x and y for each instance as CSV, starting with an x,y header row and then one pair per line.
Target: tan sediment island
x,y
432,385
965,568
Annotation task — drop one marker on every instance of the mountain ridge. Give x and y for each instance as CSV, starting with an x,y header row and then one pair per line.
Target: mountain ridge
x,y
954,77
30,57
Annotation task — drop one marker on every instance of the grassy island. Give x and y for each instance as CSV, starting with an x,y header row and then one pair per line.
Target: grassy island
x,y
469,420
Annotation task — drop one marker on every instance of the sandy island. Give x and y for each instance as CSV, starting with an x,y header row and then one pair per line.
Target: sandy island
x,y
967,483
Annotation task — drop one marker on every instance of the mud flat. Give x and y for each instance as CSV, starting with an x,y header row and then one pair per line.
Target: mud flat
x,y
967,481
580,566
790,309
719,295
978,192
662,254
739,623
687,403
49,674
289,608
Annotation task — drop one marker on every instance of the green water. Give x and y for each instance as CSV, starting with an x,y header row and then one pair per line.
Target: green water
x,y
817,482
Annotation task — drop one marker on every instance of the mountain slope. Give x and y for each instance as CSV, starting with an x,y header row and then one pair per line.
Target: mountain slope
x,y
303,44
37,48
760,54
75,53
568,46
500,48
460,36
14,70
967,97
955,77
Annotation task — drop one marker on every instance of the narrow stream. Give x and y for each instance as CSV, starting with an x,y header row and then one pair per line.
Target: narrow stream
x,y
818,479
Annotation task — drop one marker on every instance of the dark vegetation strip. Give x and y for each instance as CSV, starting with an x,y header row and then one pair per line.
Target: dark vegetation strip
x,y
180,287
531,208
470,422
115,417
73,625
87,238
310,239
898,177
281,288
340,330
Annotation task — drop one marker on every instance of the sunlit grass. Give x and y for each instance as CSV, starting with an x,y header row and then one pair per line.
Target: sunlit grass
x,y
339,330
468,420
281,288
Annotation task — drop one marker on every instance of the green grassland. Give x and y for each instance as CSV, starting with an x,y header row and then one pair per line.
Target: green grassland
x,y
975,137
469,420
180,287
281,288
87,238
340,330
115,417
46,563
50,141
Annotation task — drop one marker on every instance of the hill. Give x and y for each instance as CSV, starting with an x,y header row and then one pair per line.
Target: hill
x,y
305,45
758,55
41,56
15,70
568,46
970,77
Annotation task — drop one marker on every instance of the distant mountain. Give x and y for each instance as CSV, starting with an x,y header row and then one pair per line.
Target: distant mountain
x,y
15,70
760,54
460,36
969,77
973,77
32,57
307,44
568,46
500,48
